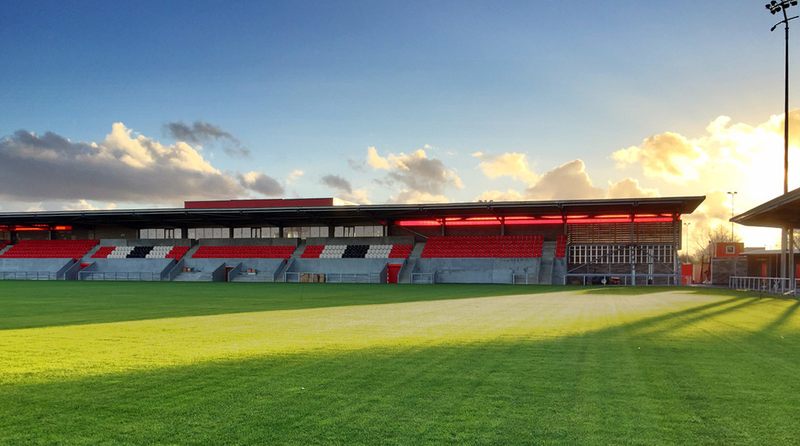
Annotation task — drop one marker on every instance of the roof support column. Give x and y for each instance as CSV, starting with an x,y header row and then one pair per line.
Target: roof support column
x,y
784,255
792,268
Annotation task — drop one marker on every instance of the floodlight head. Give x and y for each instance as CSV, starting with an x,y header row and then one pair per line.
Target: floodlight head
x,y
777,6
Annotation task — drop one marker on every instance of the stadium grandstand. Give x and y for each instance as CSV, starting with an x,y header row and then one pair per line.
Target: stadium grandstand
x,y
615,241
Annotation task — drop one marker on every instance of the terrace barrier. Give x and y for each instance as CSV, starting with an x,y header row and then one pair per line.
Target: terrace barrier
x,y
772,285
28,275
429,278
310,277
526,279
621,279
141,276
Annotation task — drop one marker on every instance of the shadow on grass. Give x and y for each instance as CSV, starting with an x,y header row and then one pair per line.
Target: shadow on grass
x,y
645,290
782,319
25,304
602,387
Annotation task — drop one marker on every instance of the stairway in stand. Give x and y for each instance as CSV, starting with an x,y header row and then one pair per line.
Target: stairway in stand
x,y
546,266
416,253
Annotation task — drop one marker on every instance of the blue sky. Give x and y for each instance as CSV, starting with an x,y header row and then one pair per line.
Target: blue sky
x,y
310,85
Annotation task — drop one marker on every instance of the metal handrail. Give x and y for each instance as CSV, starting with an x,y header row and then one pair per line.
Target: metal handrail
x,y
626,278
773,285
120,275
27,275
294,277
425,278
525,279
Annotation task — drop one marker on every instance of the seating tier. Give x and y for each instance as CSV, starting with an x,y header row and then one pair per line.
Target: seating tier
x,y
561,246
507,246
244,252
342,251
141,252
50,249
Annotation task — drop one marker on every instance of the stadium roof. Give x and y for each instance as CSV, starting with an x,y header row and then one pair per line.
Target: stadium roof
x,y
348,214
780,212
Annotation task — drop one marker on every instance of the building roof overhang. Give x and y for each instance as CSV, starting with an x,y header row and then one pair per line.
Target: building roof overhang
x,y
780,212
349,215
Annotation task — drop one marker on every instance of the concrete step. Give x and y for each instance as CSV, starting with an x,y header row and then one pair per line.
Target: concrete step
x,y
546,265
408,269
87,258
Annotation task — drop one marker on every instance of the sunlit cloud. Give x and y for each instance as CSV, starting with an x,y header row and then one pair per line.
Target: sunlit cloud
x,y
510,164
415,176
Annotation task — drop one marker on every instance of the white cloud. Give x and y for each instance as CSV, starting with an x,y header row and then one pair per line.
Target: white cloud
x,y
85,205
567,181
510,164
729,156
416,175
376,161
294,176
124,167
263,184
629,188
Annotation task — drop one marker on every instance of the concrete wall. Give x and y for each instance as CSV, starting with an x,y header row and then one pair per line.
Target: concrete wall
x,y
41,265
477,270
208,265
723,268
344,266
130,265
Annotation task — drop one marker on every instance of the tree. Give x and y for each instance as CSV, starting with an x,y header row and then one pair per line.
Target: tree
x,y
704,253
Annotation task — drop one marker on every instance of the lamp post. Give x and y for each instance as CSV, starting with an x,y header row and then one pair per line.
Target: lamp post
x,y
775,7
732,194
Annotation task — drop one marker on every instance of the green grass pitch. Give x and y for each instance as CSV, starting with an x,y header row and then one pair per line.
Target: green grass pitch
x,y
183,363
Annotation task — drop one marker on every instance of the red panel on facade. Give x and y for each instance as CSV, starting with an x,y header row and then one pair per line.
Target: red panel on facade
x,y
265,203
727,249
687,273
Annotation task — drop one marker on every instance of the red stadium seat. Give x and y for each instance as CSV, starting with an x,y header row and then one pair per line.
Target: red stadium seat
x,y
508,246
103,252
561,246
244,252
50,249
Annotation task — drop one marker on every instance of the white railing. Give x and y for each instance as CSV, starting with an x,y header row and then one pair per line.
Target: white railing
x,y
27,275
423,278
309,277
120,275
525,279
773,285
621,279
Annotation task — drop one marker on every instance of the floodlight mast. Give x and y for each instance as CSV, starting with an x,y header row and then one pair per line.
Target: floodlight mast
x,y
775,7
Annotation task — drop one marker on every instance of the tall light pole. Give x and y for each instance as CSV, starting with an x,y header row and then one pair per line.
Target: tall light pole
x,y
732,194
775,7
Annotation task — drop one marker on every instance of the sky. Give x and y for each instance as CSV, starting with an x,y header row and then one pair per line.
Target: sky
x,y
145,104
